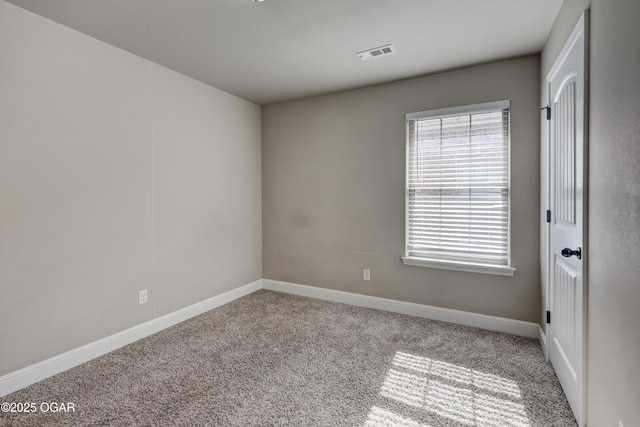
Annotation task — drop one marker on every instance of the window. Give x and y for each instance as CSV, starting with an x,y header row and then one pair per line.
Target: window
x,y
457,189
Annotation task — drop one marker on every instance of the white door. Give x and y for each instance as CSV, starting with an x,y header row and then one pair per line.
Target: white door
x,y
567,149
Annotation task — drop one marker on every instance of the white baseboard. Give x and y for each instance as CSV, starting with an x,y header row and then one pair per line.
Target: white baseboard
x,y
542,337
492,323
39,371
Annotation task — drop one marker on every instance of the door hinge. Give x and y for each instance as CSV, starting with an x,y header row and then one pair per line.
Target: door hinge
x,y
548,316
548,215
548,108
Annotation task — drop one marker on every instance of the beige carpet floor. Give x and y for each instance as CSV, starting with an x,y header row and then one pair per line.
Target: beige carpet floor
x,y
272,359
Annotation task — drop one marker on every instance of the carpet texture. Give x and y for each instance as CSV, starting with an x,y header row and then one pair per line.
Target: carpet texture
x,y
273,359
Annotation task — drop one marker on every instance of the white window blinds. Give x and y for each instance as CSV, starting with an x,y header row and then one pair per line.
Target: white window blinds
x,y
458,184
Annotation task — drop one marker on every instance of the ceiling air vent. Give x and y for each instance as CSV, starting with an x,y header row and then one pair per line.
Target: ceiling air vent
x,y
376,52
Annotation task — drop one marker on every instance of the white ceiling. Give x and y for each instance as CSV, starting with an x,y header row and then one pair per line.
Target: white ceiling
x,y
281,50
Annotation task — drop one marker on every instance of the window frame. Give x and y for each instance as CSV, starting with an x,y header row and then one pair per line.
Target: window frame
x,y
448,264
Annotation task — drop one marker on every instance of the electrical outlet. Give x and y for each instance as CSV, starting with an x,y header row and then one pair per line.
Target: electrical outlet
x,y
143,297
366,275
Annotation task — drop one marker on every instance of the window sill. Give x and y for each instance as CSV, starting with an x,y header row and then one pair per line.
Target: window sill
x,y
498,270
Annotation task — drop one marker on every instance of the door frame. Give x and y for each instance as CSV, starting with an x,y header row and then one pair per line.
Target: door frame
x,y
545,254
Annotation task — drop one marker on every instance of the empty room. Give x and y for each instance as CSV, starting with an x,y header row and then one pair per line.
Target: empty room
x,y
320,213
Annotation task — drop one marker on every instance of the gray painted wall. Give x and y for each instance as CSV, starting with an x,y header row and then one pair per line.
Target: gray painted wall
x,y
333,190
613,359
116,175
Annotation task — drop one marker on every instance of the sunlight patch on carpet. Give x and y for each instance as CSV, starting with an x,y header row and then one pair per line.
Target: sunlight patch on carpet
x,y
449,391
379,417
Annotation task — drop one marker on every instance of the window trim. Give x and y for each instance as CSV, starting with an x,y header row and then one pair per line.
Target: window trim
x,y
469,267
458,265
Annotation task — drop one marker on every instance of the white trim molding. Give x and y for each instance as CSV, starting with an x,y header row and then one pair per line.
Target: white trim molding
x,y
542,338
483,321
469,267
60,363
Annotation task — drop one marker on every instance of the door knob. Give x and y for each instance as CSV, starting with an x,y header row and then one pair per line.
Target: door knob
x,y
566,252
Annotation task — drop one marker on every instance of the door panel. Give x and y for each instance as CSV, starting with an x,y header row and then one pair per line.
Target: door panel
x,y
565,142
565,295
